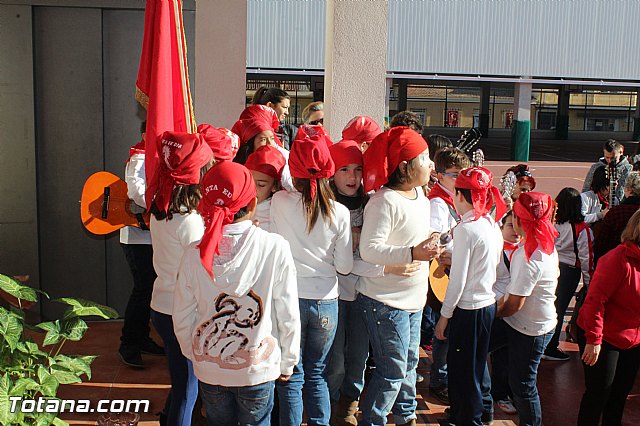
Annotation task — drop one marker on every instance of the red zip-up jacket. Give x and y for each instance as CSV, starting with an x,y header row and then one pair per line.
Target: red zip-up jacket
x,y
611,311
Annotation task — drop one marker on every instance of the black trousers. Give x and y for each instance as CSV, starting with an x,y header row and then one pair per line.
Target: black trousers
x,y
567,284
607,384
469,333
136,316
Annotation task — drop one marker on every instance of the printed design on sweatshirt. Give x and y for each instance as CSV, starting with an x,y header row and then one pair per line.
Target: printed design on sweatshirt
x,y
222,338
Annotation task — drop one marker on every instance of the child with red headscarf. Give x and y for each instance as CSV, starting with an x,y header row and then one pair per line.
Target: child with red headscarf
x,y
395,232
319,231
256,127
351,346
175,224
469,305
266,165
528,305
362,130
235,305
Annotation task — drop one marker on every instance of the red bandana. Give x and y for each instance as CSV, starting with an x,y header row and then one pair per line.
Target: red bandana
x,y
510,246
438,191
483,193
268,160
344,153
218,140
136,149
361,129
308,130
256,119
534,210
226,188
182,155
310,159
387,151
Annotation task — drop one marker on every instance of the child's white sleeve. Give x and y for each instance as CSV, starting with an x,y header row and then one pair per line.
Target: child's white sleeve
x,y
134,176
343,251
585,253
377,226
286,309
461,258
185,306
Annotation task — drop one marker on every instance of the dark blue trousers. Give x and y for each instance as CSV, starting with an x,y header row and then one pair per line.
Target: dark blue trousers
x,y
469,333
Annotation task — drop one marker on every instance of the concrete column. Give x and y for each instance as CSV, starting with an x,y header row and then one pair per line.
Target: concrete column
x,y
562,118
221,61
355,62
521,130
485,99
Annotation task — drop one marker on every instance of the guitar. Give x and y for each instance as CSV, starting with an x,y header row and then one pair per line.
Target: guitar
x,y
612,174
105,206
477,158
469,139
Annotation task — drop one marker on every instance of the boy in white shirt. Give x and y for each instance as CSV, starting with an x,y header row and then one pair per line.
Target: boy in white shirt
x,y
469,304
235,313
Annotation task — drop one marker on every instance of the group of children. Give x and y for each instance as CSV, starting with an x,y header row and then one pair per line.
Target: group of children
x,y
281,272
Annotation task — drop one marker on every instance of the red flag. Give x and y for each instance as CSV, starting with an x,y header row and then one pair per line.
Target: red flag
x,y
163,80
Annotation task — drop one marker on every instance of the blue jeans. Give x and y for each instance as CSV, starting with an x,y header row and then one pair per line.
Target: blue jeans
x,y
439,350
469,382
525,353
184,385
395,339
345,374
318,320
231,406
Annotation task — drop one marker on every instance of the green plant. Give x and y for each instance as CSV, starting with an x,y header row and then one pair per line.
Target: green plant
x,y
32,371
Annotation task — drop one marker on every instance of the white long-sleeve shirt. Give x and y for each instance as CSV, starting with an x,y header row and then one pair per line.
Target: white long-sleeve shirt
x,y
475,257
566,250
241,328
171,238
320,254
393,224
263,214
136,186
591,207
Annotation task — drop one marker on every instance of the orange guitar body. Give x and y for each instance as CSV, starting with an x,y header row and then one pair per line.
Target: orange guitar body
x,y
105,206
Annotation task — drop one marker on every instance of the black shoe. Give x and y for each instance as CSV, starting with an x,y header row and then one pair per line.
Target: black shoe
x,y
149,347
131,357
555,354
441,393
487,418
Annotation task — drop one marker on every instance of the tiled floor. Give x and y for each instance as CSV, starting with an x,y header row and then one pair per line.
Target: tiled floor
x,y
560,384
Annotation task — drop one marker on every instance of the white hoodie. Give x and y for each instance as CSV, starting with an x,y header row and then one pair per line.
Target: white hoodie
x,y
243,327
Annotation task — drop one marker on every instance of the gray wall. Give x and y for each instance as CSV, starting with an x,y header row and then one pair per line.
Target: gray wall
x,y
67,101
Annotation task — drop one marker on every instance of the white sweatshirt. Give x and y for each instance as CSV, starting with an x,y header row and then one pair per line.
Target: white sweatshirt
x,y
393,224
566,251
591,207
320,254
263,214
136,186
241,328
476,254
170,240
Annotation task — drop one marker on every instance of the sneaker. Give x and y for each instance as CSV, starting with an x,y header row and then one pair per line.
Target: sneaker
x,y
131,357
149,347
506,406
441,393
555,355
487,418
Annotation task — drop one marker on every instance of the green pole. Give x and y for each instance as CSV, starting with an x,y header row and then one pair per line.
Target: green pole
x,y
520,140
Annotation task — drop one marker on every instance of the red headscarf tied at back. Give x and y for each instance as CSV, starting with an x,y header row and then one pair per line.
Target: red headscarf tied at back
x,y
309,130
310,159
182,155
483,193
344,153
218,140
523,174
256,119
361,129
386,151
226,189
535,211
268,160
